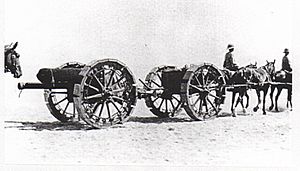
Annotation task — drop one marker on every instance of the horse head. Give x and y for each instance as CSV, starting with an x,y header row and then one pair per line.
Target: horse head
x,y
12,62
270,68
245,73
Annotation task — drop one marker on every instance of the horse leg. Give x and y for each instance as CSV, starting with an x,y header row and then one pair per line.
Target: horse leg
x,y
258,97
264,100
232,104
271,97
290,97
247,96
241,95
279,89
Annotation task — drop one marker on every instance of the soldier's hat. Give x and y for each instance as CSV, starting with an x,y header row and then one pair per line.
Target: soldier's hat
x,y
286,50
230,46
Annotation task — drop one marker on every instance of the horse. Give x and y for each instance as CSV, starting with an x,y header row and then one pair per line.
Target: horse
x,y
11,60
284,80
239,81
260,80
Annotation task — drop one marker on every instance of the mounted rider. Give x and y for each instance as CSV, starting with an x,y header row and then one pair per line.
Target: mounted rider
x,y
229,62
229,68
286,66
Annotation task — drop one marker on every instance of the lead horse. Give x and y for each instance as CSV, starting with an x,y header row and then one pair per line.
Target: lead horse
x,y
260,79
11,60
284,80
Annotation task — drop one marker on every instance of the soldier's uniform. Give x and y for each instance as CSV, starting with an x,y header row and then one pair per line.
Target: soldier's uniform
x,y
229,63
229,68
286,62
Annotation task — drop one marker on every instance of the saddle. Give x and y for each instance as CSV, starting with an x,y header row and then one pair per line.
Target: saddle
x,y
228,73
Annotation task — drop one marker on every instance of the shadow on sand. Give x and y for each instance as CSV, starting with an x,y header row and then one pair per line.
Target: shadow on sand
x,y
40,126
59,126
158,120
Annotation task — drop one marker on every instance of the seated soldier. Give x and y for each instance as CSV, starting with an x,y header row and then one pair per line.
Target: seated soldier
x,y
286,66
229,68
229,63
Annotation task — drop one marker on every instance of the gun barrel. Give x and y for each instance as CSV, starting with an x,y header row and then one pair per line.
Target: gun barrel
x,y
22,86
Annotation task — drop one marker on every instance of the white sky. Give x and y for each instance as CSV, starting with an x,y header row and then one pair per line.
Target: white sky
x,y
147,33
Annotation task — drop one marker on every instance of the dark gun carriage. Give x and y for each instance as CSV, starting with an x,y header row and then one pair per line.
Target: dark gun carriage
x,y
104,92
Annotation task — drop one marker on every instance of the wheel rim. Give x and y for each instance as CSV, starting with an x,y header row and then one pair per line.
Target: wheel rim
x,y
161,102
106,95
59,105
202,91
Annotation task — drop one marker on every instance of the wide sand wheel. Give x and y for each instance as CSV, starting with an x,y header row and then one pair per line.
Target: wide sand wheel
x,y
201,91
162,102
107,93
60,101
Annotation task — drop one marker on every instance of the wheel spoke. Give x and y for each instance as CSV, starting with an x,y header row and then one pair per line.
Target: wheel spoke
x,y
196,77
176,99
110,78
159,76
101,109
210,83
60,101
206,79
98,81
118,98
108,112
99,95
206,108
209,93
120,113
66,108
92,87
96,106
155,99
161,103
196,101
156,83
166,105
212,104
172,104
121,78
198,88
200,106
118,90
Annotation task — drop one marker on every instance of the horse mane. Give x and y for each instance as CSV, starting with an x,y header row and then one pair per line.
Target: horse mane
x,y
259,75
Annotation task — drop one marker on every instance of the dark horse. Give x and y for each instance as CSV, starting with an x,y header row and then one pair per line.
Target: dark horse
x,y
284,80
239,85
260,80
11,60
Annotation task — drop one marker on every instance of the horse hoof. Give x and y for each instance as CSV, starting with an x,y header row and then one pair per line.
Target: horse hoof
x,y
276,109
255,109
264,113
271,107
244,110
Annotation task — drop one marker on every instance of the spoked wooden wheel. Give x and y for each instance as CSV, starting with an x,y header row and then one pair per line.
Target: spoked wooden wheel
x,y
201,91
162,102
60,101
59,105
107,93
